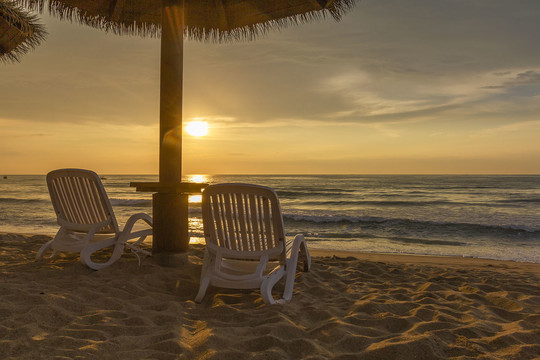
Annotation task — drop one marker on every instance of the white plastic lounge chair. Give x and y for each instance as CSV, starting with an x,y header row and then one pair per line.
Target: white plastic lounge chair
x,y
86,218
245,241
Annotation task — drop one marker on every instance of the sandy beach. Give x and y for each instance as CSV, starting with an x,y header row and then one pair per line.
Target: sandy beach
x,y
350,306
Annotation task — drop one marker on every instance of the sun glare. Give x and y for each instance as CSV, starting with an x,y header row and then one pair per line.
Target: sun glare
x,y
198,178
197,128
194,199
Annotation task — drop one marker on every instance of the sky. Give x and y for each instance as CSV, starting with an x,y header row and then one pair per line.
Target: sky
x,y
395,87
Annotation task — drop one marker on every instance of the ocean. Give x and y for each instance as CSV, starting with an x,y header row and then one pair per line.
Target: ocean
x,y
493,217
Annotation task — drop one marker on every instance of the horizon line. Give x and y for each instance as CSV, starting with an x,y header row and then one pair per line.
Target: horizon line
x,y
310,174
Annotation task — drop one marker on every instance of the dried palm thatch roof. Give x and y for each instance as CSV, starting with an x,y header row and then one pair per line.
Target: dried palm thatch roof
x,y
19,31
206,20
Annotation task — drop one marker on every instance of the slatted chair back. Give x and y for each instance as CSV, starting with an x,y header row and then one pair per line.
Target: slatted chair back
x,y
243,218
80,201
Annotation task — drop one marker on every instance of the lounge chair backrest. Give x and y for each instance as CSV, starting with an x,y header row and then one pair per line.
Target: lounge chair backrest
x,y
243,217
80,201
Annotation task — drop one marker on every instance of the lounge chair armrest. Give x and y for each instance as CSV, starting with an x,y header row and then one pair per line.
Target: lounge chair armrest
x,y
136,217
127,233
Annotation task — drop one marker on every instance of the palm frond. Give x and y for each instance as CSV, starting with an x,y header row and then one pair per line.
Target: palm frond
x,y
20,31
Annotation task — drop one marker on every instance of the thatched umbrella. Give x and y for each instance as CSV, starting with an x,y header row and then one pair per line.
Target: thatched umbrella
x,y
213,20
19,31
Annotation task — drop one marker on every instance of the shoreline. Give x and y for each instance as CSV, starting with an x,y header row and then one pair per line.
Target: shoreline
x,y
371,256
349,306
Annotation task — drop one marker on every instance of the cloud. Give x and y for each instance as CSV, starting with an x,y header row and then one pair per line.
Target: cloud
x,y
513,79
384,60
388,69
406,99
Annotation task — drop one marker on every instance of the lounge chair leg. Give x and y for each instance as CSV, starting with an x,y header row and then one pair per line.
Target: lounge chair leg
x,y
87,252
299,249
43,249
202,289
266,292
305,256
268,284
205,279
289,281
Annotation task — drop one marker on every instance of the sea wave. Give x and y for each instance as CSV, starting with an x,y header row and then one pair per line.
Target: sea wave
x,y
419,241
312,192
531,201
417,203
334,218
367,220
131,202
386,202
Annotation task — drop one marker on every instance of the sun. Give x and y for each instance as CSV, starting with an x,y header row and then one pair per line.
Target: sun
x,y
197,128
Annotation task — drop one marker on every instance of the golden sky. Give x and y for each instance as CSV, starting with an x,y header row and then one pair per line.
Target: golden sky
x,y
396,87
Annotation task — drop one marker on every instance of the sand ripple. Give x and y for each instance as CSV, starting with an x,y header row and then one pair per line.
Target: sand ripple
x,y
346,308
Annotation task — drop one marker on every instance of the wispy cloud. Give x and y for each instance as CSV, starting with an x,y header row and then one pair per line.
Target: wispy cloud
x,y
511,79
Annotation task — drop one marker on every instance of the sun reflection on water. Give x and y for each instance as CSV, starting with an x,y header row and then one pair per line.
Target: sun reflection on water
x,y
196,231
198,178
194,199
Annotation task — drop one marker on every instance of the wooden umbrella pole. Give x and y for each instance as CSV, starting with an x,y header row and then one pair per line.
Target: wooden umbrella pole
x,y
170,208
170,117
